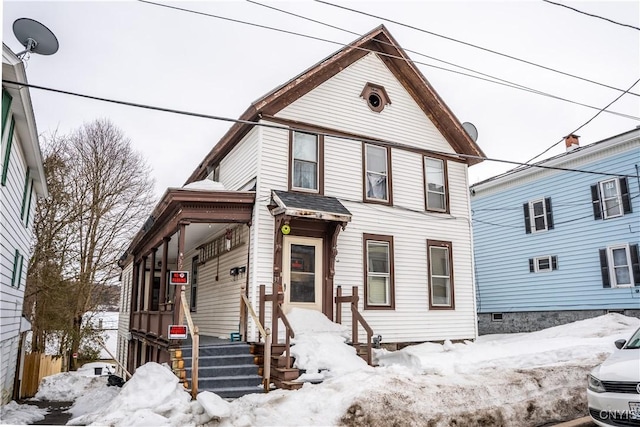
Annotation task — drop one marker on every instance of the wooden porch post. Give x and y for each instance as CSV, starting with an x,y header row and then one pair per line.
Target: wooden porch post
x,y
142,306
179,319
163,271
150,291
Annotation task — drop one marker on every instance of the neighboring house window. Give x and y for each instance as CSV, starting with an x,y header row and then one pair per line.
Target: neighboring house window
x,y
7,154
610,198
194,283
538,215
306,162
18,260
378,266
619,266
435,185
543,263
377,174
440,264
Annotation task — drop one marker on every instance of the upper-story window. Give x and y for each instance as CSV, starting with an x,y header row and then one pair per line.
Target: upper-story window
x,y
619,266
610,198
377,174
306,162
538,215
435,185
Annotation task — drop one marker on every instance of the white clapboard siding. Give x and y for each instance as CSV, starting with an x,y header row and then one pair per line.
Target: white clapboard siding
x,y
9,356
218,301
125,313
241,164
337,104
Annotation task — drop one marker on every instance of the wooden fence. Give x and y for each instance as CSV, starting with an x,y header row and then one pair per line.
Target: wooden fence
x,y
36,367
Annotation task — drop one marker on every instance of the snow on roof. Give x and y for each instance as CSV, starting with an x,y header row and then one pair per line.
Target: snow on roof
x,y
205,184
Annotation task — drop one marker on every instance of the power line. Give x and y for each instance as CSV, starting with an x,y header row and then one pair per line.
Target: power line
x,y
473,45
495,81
587,122
383,142
591,15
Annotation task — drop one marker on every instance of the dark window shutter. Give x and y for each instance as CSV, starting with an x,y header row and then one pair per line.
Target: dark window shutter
x,y
554,262
547,204
531,266
635,264
624,192
527,222
7,154
604,269
595,198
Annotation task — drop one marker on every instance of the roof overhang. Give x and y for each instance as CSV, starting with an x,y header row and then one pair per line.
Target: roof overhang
x,y
308,206
186,206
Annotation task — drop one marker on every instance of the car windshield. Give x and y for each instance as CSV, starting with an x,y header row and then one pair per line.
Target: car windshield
x,y
634,341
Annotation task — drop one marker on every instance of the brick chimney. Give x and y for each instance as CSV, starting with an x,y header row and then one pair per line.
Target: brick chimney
x,y
571,142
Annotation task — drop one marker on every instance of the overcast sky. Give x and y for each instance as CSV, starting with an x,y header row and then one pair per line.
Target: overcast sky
x,y
148,54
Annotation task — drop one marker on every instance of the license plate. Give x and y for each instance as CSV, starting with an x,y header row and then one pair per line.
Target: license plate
x,y
634,409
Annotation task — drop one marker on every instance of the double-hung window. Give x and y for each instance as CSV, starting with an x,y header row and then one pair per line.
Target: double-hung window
x,y
379,283
440,267
543,263
619,266
377,174
306,164
435,185
610,198
538,215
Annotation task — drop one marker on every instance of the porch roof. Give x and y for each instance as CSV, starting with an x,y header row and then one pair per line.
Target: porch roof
x,y
306,205
190,206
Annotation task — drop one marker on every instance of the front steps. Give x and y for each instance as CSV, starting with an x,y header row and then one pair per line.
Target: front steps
x,y
226,369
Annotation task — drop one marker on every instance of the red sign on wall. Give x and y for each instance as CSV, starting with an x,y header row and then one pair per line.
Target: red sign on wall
x,y
178,277
177,332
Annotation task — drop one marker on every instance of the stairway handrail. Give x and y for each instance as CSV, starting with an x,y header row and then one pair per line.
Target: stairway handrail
x,y
266,333
277,313
356,317
195,344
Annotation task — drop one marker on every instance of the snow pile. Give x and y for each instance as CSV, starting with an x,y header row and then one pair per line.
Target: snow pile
x,y
15,414
67,386
320,346
153,396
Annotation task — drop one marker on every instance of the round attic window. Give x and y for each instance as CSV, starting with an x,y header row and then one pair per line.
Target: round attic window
x,y
376,97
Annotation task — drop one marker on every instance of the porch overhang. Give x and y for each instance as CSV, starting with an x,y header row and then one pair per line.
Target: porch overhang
x,y
180,206
309,206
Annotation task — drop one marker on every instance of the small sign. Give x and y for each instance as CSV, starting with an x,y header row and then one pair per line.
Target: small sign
x,y
75,355
178,277
177,332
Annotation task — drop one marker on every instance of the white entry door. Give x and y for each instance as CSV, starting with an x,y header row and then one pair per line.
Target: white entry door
x,y
302,273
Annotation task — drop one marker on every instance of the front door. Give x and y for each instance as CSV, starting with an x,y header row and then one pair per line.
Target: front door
x,y
302,273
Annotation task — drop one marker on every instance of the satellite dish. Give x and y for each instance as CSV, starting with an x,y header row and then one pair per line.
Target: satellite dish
x,y
35,37
471,130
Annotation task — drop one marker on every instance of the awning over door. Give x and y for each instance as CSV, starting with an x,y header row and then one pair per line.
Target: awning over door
x,y
310,206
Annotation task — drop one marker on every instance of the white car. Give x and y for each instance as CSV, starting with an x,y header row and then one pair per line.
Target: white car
x,y
614,386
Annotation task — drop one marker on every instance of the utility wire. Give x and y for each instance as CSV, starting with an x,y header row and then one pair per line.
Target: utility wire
x,y
587,122
473,45
591,15
382,142
508,84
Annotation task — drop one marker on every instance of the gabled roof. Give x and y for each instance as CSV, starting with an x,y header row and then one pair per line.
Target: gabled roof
x,y
389,51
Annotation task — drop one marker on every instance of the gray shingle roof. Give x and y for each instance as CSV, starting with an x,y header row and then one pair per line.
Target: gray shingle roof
x,y
312,202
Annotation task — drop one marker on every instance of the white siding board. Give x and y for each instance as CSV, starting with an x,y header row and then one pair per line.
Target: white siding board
x,y
126,286
337,104
240,165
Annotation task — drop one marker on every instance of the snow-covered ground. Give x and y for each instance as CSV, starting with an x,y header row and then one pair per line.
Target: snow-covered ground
x,y
501,380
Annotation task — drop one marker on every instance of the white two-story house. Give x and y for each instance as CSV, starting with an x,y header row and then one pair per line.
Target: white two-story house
x,y
22,181
351,174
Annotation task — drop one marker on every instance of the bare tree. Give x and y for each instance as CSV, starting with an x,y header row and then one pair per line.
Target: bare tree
x,y
105,194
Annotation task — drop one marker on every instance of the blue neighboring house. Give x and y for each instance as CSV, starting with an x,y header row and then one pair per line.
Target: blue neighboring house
x,y
554,246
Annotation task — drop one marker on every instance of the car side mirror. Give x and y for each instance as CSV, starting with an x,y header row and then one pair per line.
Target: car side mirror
x,y
620,343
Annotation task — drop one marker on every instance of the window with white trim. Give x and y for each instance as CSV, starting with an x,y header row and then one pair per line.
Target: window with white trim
x,y
376,164
611,198
305,162
538,215
435,184
379,288
620,266
543,263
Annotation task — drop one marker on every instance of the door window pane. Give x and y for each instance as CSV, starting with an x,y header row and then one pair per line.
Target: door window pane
x,y
303,273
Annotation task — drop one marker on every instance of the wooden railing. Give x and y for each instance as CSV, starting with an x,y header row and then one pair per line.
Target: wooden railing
x,y
356,318
266,333
195,344
277,314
